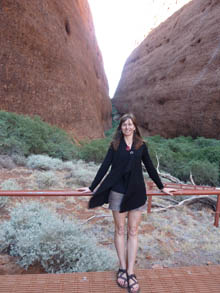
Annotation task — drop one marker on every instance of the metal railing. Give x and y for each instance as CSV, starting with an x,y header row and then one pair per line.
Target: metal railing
x,y
186,190
182,189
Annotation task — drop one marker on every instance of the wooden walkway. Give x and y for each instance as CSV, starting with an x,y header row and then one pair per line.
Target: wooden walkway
x,y
197,279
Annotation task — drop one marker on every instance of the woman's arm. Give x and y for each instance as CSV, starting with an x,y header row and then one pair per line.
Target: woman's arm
x,y
150,168
103,168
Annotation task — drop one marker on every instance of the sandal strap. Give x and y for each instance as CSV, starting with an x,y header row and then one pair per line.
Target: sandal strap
x,y
134,279
132,276
120,274
124,271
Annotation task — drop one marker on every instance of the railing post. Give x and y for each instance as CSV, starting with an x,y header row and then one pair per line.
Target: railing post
x,y
149,203
149,197
217,212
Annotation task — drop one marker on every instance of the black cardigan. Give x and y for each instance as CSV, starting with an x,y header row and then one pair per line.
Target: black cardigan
x,y
121,162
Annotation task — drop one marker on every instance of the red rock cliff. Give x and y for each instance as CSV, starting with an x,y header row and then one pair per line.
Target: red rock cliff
x,y
51,66
172,80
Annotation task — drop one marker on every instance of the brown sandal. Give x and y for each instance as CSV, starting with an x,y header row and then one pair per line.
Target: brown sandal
x,y
130,287
119,275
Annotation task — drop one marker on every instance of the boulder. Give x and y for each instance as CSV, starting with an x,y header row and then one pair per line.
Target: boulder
x,y
171,81
51,66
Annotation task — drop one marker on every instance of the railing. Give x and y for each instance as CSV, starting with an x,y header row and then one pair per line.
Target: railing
x,y
151,191
185,189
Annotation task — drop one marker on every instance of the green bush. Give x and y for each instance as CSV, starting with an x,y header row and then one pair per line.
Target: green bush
x,y
181,155
178,156
205,172
37,235
22,135
94,150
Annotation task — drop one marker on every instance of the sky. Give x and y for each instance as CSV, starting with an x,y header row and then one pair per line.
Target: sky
x,y
120,25
117,33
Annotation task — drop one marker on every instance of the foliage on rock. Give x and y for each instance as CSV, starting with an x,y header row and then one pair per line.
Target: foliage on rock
x,y
24,136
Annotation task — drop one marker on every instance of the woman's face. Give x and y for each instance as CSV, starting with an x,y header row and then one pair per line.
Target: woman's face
x,y
128,127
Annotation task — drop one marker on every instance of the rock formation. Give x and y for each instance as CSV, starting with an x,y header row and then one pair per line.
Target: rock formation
x,y
171,81
51,66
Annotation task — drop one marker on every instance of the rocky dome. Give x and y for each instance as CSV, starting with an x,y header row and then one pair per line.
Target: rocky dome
x,y
171,81
51,66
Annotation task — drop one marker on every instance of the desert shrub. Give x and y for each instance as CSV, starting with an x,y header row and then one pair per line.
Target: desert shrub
x,y
177,156
205,172
36,234
10,184
202,142
6,162
82,173
19,160
192,233
45,179
94,150
210,153
24,136
180,155
69,165
44,162
3,201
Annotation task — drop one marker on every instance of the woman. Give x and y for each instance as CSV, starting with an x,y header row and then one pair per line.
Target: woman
x,y
124,189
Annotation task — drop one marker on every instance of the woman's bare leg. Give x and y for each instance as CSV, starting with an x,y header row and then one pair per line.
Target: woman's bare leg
x,y
134,218
119,239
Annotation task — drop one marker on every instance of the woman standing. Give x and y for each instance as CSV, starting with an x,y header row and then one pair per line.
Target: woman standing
x,y
124,189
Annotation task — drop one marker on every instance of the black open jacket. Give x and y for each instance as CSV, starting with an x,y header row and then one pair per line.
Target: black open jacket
x,y
124,163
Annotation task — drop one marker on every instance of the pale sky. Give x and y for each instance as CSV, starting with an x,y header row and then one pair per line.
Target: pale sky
x,y
116,31
121,24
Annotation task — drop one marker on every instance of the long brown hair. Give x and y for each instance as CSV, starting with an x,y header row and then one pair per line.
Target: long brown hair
x,y
137,138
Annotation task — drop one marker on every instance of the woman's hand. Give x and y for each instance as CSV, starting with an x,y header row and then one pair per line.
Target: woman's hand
x,y
168,191
84,189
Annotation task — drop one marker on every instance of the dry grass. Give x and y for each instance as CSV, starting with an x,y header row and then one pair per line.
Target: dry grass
x,y
183,236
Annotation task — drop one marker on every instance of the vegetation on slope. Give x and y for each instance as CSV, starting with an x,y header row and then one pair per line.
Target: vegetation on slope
x,y
178,156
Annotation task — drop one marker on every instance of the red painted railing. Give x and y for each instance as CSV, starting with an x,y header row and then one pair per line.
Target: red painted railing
x,y
185,189
151,191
